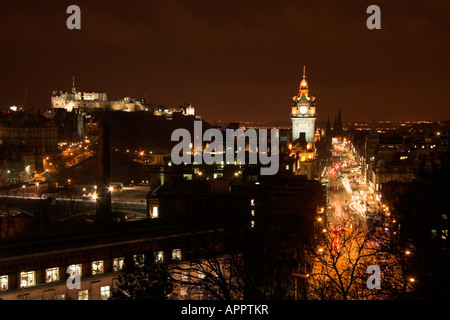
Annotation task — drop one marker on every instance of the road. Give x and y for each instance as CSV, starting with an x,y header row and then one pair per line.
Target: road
x,y
348,197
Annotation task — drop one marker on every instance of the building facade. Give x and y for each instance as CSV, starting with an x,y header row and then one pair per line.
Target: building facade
x,y
303,113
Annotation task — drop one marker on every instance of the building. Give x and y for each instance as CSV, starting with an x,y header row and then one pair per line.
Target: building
x,y
38,269
26,139
303,113
304,134
91,101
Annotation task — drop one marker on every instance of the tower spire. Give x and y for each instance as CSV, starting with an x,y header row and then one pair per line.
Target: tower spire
x,y
304,71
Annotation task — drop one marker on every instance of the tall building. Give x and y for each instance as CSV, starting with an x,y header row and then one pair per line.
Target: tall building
x,y
303,114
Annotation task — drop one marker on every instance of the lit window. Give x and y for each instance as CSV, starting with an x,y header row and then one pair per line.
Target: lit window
x,y
433,234
27,279
252,202
253,213
183,292
105,293
97,267
444,216
287,167
252,224
59,297
83,295
118,264
159,256
444,234
155,212
75,270
138,260
201,275
176,254
3,282
51,274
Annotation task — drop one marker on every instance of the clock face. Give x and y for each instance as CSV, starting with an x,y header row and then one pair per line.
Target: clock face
x,y
303,110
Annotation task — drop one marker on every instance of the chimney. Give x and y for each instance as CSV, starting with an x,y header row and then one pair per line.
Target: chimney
x,y
103,214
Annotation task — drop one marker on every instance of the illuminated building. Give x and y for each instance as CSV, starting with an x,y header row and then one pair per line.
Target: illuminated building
x,y
304,134
86,101
303,114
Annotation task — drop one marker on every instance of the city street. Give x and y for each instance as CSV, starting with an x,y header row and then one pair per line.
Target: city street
x,y
349,199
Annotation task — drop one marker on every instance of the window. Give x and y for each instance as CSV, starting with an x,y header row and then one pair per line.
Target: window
x,y
183,292
252,202
3,282
74,269
159,256
27,279
51,274
97,267
176,254
59,297
253,213
444,216
138,260
433,233
444,234
118,264
105,293
83,295
154,212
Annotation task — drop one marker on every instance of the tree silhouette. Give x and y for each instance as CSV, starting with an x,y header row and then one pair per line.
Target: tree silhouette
x,y
143,279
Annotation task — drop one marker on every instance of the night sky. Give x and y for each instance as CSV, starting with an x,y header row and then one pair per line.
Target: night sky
x,y
234,60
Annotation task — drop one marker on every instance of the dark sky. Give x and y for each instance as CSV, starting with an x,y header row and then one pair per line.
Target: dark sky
x,y
234,60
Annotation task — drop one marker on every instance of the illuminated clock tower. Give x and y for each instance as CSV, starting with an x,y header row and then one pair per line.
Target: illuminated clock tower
x,y
303,114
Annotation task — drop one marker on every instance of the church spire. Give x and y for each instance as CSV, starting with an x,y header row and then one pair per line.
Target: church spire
x,y
304,71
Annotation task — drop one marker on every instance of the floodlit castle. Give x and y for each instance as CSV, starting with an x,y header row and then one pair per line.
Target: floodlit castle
x,y
88,101
93,100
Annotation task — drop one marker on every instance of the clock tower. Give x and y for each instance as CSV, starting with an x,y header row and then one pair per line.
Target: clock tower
x,y
303,113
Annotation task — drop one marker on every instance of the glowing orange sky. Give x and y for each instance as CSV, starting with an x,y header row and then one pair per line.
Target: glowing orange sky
x,y
234,60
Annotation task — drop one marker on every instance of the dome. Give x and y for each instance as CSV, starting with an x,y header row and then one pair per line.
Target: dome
x,y
304,83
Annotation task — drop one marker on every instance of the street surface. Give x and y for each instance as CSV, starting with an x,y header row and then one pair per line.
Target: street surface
x,y
349,199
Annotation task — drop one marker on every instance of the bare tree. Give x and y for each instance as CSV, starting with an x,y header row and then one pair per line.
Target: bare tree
x,y
210,274
339,260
